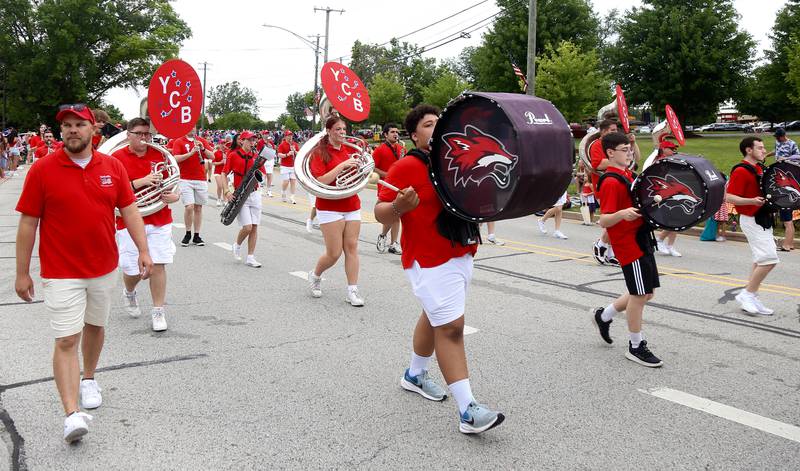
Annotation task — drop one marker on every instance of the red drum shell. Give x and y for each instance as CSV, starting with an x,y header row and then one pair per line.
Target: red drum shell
x,y
781,184
500,156
691,191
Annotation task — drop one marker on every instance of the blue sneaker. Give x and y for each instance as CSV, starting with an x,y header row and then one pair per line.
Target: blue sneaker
x,y
423,385
479,418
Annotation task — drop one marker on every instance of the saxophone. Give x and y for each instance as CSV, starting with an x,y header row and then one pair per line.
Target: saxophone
x,y
248,185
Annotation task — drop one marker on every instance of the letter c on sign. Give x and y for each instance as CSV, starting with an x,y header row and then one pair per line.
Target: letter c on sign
x,y
347,91
173,103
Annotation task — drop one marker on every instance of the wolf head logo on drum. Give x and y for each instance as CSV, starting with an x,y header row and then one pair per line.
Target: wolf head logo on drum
x,y
673,193
785,183
475,156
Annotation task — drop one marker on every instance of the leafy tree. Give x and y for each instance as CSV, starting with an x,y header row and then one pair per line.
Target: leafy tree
x,y
690,54
68,51
446,87
387,99
286,121
296,108
113,112
572,80
238,120
231,97
793,77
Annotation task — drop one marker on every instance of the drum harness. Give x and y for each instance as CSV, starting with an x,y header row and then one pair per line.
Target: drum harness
x,y
765,216
644,235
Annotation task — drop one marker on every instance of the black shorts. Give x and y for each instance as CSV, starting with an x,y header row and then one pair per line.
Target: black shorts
x,y
641,275
786,215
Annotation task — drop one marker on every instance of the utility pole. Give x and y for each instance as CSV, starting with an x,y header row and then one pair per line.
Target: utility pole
x,y
327,11
316,85
203,112
532,48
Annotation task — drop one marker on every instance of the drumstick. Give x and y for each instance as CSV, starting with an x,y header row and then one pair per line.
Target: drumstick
x,y
389,186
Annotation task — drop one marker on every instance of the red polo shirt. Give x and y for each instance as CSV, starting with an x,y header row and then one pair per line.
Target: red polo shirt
x,y
386,155
615,196
319,168
596,156
239,163
744,184
420,240
138,167
192,168
284,149
75,208
35,141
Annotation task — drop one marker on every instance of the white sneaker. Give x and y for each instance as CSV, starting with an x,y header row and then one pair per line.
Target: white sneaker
x,y
219,202
283,197
90,394
394,248
673,252
560,235
159,320
661,247
762,310
495,241
131,303
747,303
293,200
309,226
315,283
269,193
75,426
542,229
252,262
237,251
720,239
315,223
353,298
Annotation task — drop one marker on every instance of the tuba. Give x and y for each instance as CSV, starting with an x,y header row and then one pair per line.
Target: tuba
x,y
148,199
669,127
617,109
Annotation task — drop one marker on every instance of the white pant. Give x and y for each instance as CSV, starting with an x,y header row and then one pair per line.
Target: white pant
x,y
442,290
193,192
324,217
251,210
761,241
159,242
73,302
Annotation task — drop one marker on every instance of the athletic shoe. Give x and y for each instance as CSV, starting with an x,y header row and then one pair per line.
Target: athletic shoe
x,y
315,223
423,385
237,251
395,249
673,252
381,244
642,355
309,226
269,193
75,426
293,200
90,394
612,260
599,253
747,303
159,320
560,235
661,247
762,310
219,202
252,262
495,241
542,229
315,283
479,418
198,241
131,303
283,197
720,239
186,239
354,299
602,325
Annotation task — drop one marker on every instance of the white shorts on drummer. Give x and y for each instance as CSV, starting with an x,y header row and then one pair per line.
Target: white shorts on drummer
x,y
193,192
73,302
251,210
442,290
326,217
287,173
760,240
159,242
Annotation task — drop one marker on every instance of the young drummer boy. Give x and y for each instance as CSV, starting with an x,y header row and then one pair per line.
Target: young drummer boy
x,y
624,223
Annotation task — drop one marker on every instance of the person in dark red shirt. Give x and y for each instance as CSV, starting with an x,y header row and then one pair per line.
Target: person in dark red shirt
x,y
139,161
70,198
239,161
48,146
744,192
630,238
386,154
603,252
287,151
439,270
339,220
192,152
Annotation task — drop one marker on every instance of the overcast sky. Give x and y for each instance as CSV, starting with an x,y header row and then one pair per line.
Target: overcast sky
x,y
229,36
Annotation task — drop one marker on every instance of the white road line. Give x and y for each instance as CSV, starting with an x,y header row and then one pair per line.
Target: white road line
x,y
178,225
469,330
300,274
224,246
790,432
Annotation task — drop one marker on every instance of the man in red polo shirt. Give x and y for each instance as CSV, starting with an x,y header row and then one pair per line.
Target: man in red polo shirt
x,y
439,271
287,152
192,153
70,197
603,252
139,161
48,146
744,192
389,152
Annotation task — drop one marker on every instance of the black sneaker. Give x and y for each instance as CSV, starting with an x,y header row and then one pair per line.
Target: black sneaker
x,y
599,253
197,240
642,355
602,325
186,239
612,260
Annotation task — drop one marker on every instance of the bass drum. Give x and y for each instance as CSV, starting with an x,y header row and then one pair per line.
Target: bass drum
x,y
500,156
687,187
781,184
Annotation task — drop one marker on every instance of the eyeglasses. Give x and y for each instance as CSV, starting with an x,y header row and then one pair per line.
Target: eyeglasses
x,y
624,149
142,134
75,106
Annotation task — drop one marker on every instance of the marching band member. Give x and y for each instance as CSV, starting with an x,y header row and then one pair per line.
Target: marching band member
x,y
220,157
191,153
389,152
625,225
139,160
666,239
287,152
48,146
339,220
439,271
70,198
240,160
603,252
269,166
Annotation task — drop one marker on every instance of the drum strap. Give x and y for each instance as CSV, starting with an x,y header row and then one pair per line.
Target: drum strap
x,y
765,217
644,235
391,148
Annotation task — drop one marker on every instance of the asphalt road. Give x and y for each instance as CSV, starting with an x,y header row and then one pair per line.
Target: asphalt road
x,y
253,373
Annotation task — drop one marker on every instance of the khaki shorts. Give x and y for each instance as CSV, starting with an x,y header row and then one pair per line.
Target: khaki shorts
x,y
73,302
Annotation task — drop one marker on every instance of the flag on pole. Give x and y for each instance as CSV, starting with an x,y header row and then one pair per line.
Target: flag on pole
x,y
316,98
518,72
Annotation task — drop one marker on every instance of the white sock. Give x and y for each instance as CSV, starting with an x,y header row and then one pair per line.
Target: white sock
x,y
636,339
351,288
608,313
462,392
131,293
600,243
491,236
418,364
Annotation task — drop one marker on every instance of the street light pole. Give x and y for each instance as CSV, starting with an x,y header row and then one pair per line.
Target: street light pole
x,y
532,48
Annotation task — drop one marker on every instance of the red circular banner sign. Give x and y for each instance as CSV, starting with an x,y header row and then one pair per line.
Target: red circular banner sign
x,y
174,98
346,92
622,108
675,126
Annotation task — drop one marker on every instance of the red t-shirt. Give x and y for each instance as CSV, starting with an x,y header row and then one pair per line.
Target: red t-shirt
x,y
219,157
35,141
319,168
744,184
43,150
239,165
384,157
615,196
420,240
96,138
284,149
75,208
193,167
138,167
596,156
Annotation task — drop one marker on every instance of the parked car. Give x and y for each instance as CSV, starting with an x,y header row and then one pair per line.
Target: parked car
x,y
365,133
644,130
792,126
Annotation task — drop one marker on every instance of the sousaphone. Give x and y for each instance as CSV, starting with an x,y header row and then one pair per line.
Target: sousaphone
x,y
617,109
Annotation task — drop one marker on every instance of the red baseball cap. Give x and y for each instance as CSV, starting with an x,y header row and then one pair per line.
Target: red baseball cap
x,y
80,110
665,144
246,135
288,132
